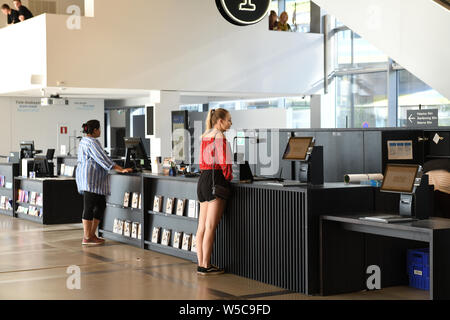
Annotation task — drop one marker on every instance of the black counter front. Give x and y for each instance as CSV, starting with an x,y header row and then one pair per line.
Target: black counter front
x,y
268,233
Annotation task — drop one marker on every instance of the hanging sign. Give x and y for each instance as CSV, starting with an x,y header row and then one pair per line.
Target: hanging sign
x,y
243,12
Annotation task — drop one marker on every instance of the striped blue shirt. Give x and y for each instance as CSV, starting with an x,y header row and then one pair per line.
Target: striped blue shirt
x,y
93,167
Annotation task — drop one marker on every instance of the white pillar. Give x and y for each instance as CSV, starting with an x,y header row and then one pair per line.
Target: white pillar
x,y
170,101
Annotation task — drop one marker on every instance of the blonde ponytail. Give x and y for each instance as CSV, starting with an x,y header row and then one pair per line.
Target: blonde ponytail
x,y
213,117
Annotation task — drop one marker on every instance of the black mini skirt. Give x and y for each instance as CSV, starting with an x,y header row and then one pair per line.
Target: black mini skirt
x,y
204,186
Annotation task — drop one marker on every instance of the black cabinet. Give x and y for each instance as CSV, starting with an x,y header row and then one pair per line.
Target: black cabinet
x,y
61,202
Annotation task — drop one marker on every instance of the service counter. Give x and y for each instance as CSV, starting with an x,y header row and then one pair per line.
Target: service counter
x,y
268,233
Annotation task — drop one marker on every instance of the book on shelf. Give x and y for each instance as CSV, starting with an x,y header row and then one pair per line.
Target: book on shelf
x,y
135,200
134,230
116,226
2,181
9,204
177,236
169,205
9,185
126,200
194,243
121,227
166,237
26,196
127,229
157,204
139,231
193,209
62,170
140,201
180,207
186,242
3,201
33,198
155,234
39,199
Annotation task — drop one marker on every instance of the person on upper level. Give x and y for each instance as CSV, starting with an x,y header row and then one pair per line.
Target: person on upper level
x,y
12,15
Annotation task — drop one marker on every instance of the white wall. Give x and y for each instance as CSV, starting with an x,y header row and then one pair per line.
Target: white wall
x,y
414,33
23,55
179,45
25,119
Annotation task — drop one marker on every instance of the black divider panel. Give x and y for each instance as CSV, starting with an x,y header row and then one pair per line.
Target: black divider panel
x,y
262,237
9,171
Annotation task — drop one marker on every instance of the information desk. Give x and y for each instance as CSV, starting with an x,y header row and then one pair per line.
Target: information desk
x,y
268,233
8,171
60,202
350,245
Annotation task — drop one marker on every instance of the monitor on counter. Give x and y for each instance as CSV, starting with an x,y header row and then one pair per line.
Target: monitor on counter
x,y
26,149
400,178
297,148
135,154
41,167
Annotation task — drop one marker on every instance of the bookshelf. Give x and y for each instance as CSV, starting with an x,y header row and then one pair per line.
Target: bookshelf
x,y
8,171
168,187
115,209
61,202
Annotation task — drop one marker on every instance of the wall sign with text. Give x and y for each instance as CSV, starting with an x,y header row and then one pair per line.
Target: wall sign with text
x,y
243,12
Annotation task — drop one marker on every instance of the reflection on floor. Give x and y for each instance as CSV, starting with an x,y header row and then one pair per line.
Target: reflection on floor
x,y
34,261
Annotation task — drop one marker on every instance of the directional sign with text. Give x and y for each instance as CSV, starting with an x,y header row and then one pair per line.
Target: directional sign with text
x,y
422,118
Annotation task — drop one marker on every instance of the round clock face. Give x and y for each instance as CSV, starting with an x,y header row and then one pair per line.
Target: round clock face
x,y
243,12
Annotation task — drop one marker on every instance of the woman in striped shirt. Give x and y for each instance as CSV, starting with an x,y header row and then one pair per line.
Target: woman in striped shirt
x,y
92,180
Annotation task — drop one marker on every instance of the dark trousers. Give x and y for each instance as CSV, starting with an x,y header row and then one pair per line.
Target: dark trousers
x,y
94,206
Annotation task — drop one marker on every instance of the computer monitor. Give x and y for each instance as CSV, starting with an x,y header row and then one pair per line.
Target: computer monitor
x,y
41,167
400,178
50,154
26,149
135,153
297,148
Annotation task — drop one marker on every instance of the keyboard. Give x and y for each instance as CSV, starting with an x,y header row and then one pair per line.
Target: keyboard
x,y
387,219
287,183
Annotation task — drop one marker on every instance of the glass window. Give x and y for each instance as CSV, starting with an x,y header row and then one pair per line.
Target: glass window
x,y
274,6
299,112
414,92
192,107
361,100
299,12
365,54
344,48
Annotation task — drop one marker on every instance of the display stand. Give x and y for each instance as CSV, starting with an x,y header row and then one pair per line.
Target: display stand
x,y
115,208
168,187
61,202
8,171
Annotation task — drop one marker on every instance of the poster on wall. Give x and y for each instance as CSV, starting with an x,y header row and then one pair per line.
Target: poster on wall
x,y
180,143
400,150
28,105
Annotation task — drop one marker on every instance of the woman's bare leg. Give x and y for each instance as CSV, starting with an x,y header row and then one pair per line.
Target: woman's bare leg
x,y
201,231
215,211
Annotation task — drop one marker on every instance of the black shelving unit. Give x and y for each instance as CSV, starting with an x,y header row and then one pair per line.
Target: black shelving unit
x,y
168,187
9,171
120,184
62,204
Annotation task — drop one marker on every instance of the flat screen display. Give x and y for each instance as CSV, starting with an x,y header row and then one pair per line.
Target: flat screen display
x,y
400,178
150,120
297,148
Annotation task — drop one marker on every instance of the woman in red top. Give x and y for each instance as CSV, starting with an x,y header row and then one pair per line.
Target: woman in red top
x,y
215,158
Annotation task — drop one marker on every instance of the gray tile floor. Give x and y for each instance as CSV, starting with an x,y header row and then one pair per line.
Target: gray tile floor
x,y
34,261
